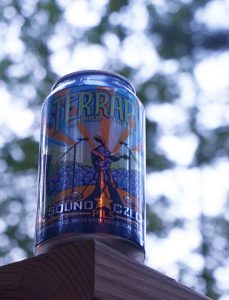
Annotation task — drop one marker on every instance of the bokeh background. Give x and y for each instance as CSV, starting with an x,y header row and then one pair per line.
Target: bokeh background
x,y
177,55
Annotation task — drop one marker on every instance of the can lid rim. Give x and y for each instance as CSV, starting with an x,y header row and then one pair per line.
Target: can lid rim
x,y
93,72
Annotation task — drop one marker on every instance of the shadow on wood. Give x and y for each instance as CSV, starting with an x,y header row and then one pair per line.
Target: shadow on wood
x,y
87,270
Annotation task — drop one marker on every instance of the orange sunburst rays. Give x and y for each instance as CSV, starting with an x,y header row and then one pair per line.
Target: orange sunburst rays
x,y
85,133
59,136
105,129
124,135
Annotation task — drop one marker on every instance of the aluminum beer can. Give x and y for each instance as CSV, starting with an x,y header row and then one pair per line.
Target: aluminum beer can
x,y
92,164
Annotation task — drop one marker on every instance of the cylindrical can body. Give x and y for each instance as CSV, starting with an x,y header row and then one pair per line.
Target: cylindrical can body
x,y
92,164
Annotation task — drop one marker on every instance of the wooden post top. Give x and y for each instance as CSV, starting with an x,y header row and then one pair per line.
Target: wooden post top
x,y
88,270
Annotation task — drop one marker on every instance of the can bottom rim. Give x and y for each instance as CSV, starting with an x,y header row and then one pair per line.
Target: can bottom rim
x,y
126,247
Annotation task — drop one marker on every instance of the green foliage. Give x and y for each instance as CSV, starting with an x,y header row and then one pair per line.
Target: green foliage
x,y
160,225
21,155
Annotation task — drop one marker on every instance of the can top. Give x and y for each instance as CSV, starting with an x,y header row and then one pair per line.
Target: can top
x,y
88,73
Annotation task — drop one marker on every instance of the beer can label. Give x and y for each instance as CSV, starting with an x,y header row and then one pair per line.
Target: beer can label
x,y
91,170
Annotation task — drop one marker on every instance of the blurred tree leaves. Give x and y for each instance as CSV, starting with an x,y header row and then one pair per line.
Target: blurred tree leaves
x,y
22,155
27,73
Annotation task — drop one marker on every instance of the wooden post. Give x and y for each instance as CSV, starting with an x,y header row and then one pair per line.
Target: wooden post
x,y
87,270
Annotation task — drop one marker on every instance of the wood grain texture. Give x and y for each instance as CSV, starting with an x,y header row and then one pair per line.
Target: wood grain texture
x,y
88,270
